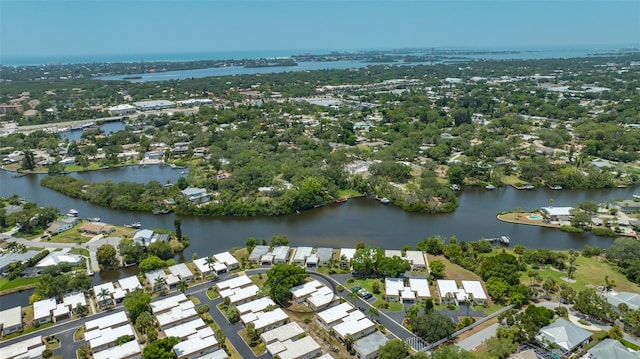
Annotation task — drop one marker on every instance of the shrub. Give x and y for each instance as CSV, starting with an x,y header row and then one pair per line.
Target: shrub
x,y
571,229
604,232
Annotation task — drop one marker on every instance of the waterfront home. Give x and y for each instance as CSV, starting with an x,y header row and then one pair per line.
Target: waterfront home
x,y
96,228
564,335
56,258
181,271
104,293
257,253
196,195
28,348
417,259
72,300
324,255
10,320
205,268
61,225
143,237
346,255
557,214
227,259
301,255
6,259
367,347
42,310
129,284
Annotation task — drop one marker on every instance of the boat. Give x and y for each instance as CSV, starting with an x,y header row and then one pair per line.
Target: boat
x,y
72,213
555,187
501,239
341,200
490,187
529,187
636,196
135,225
384,200
162,211
455,187
94,219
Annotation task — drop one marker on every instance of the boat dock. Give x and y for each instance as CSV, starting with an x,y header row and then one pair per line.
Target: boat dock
x,y
527,187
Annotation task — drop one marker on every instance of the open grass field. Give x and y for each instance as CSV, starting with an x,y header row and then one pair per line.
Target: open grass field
x,y
454,271
23,283
590,272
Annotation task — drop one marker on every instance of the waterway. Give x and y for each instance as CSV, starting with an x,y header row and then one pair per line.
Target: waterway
x,y
107,128
335,225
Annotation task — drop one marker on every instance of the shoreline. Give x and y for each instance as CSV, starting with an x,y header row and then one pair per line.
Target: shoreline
x,y
500,217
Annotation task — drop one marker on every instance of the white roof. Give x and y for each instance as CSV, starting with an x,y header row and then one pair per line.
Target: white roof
x,y
306,289
130,283
151,276
11,317
255,306
125,350
336,313
100,337
125,106
324,296
56,258
43,308
107,322
176,314
420,287
393,286
558,211
185,329
474,287
353,327
281,253
226,258
392,252
218,354
144,233
266,319
407,294
172,279
108,286
290,349
161,305
416,258
282,333
61,309
312,259
194,345
119,294
203,267
181,270
28,348
240,294
447,286
347,252
236,282
302,253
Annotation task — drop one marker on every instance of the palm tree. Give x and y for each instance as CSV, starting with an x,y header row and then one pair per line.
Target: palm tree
x,y
210,261
373,311
571,269
182,286
332,333
348,341
80,309
103,295
470,302
159,284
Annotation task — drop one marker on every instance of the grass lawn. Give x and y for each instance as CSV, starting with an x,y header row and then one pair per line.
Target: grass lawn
x,y
211,293
454,271
80,251
259,279
258,348
590,271
70,236
630,345
12,285
194,300
393,306
79,334
368,285
346,193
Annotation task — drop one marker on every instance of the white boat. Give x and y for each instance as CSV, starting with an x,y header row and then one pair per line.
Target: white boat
x,y
636,196
529,187
72,213
94,219
384,200
455,187
490,187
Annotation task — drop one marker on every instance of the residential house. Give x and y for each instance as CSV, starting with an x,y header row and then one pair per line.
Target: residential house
x,y
61,225
181,271
10,320
301,255
257,253
303,348
129,284
557,214
565,335
611,349
227,259
104,293
474,290
128,350
29,348
42,310
196,195
449,292
631,300
96,228
367,347
324,255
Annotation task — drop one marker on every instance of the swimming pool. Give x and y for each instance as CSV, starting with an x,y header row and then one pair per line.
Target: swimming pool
x,y
535,216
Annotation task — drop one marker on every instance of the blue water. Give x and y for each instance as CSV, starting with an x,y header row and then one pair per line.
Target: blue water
x,y
531,53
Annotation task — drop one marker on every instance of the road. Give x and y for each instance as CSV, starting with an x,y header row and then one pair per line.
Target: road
x,y
478,338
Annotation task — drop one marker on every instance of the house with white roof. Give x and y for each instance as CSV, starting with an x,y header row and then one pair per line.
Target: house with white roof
x,y
301,255
72,300
265,320
26,349
415,289
181,271
196,195
237,282
368,347
197,345
357,328
101,339
104,293
631,300
256,306
183,313
153,279
186,329
474,290
557,213
240,295
55,258
611,349
42,310
206,269
330,317
280,334
323,298
324,255
346,255
305,290
128,350
166,304
227,259
143,237
129,284
449,292
109,321
304,348
257,253
10,320
417,259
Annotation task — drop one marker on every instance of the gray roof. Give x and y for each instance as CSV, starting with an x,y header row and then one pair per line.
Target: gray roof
x,y
11,257
371,343
281,253
632,300
611,349
258,252
302,253
324,253
565,334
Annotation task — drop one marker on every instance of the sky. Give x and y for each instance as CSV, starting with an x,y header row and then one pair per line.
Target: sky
x,y
100,27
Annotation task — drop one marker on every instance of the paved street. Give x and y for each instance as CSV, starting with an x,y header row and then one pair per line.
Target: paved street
x,y
478,338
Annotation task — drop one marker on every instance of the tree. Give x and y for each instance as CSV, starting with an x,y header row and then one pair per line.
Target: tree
x,y
143,321
210,261
393,349
615,333
28,162
281,278
107,257
251,331
428,305
47,353
104,297
393,267
160,349
450,352
182,286
500,348
161,249
159,284
83,352
130,251
150,263
432,326
221,337
81,309
177,225
279,240
348,341
251,243
373,311
437,269
135,303
497,288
